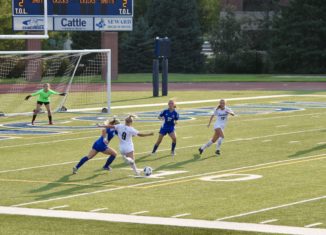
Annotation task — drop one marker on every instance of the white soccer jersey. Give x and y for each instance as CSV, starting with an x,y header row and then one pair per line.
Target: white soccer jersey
x,y
221,117
125,134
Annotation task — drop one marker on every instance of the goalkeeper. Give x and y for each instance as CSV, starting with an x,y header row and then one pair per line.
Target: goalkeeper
x,y
44,98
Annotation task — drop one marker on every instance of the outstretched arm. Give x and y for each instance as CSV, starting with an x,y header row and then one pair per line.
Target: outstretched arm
x,y
106,126
145,134
105,140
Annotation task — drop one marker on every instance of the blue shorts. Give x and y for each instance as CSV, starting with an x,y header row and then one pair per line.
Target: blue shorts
x,y
166,130
100,146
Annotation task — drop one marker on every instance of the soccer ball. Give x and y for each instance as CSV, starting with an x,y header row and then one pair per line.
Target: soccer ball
x,y
148,171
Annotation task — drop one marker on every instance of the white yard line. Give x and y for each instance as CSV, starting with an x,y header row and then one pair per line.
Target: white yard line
x,y
187,137
163,181
265,141
98,209
192,223
294,142
280,126
139,212
163,150
58,207
321,143
312,225
268,221
273,208
180,215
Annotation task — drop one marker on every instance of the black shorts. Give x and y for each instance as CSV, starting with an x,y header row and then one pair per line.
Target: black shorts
x,y
41,103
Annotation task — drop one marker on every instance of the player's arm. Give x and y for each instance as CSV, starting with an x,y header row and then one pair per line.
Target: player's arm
x,y
229,111
210,120
160,116
105,140
57,93
176,119
33,94
145,134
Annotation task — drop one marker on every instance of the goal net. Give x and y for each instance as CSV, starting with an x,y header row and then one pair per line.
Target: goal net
x,y
85,75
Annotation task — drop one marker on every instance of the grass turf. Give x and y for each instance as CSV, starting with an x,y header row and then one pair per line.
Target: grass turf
x,y
250,140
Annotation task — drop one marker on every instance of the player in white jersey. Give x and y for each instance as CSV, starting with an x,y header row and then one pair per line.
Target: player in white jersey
x,y
221,113
125,134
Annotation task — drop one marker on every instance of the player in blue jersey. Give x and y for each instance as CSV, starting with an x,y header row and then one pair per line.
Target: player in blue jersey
x,y
101,145
170,117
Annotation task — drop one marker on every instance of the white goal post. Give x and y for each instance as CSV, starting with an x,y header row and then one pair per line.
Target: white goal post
x,y
84,75
35,36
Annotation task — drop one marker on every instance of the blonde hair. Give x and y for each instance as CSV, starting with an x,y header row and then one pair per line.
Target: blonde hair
x,y
172,100
130,118
219,106
113,121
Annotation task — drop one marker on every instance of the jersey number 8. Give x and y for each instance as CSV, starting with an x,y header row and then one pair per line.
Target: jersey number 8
x,y
124,135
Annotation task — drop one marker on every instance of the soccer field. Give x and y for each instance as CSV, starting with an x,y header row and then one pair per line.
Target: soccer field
x,y
271,170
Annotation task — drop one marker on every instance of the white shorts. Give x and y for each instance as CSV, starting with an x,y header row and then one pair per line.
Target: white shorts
x,y
124,149
219,125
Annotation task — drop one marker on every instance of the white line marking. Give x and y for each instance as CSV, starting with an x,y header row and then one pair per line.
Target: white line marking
x,y
180,215
163,150
273,208
192,223
187,137
98,209
161,181
58,207
265,141
312,225
321,143
268,221
139,212
280,126
294,142
281,117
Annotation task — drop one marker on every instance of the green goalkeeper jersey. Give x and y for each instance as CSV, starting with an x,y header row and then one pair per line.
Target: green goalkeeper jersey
x,y
45,96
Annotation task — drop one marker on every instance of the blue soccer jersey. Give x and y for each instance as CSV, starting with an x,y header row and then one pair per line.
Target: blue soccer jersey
x,y
99,144
169,121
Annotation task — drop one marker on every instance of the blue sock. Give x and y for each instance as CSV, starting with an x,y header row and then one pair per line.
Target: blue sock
x,y
81,162
173,146
155,148
109,161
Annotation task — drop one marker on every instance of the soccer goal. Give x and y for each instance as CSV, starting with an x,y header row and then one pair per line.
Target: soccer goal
x,y
85,75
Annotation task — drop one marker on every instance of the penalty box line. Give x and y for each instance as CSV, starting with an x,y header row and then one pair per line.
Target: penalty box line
x,y
177,180
137,219
163,150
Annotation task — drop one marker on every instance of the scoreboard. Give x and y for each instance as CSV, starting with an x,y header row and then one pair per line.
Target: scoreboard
x,y
73,15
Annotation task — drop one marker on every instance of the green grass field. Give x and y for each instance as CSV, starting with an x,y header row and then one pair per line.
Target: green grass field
x,y
177,77
281,140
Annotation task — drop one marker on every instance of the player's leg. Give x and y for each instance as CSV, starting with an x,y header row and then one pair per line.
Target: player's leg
x,y
132,163
48,109
209,143
158,142
173,136
219,140
36,111
113,154
82,161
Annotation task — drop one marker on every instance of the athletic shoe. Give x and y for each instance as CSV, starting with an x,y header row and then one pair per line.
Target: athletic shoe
x,y
173,153
32,123
218,152
200,151
50,123
107,168
74,170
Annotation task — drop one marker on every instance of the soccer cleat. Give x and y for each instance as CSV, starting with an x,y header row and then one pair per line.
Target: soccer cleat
x,y
74,170
32,123
173,153
200,151
107,168
50,123
218,152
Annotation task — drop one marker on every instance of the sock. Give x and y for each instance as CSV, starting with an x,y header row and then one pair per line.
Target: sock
x,y
173,146
34,117
134,167
109,161
50,119
219,143
81,162
155,148
205,146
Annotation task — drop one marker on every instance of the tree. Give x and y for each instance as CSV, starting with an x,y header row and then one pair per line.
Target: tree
x,y
209,13
6,28
136,49
299,41
179,21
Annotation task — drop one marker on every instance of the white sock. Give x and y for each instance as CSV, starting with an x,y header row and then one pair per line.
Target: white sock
x,y
205,146
134,167
219,143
